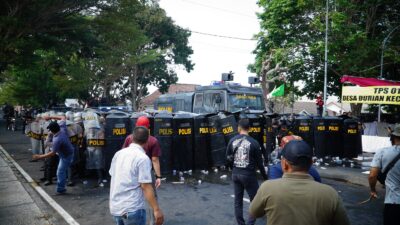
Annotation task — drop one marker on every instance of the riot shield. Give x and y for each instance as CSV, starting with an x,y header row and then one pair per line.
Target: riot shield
x,y
116,130
163,132
228,126
95,143
328,136
319,130
303,128
334,140
268,136
352,146
217,142
201,142
183,142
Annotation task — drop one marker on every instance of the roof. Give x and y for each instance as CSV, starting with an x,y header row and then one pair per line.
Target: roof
x,y
299,106
338,107
173,89
309,106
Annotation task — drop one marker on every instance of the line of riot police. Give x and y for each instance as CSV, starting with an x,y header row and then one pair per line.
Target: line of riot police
x,y
190,141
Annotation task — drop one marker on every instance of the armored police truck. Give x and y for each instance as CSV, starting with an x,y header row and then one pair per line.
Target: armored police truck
x,y
219,96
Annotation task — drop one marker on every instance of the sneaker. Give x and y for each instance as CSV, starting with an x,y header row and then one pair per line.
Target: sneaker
x,y
101,185
47,183
70,184
61,193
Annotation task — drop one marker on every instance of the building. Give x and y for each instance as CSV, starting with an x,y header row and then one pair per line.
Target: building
x,y
334,108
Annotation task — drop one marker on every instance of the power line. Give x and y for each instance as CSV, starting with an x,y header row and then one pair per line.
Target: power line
x,y
227,48
223,36
217,8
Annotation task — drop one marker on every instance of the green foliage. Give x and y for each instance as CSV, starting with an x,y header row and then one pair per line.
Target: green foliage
x,y
293,31
28,86
87,49
141,48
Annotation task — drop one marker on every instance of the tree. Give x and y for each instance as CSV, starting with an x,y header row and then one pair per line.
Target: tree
x,y
141,48
293,31
267,72
45,81
47,24
44,47
119,52
88,49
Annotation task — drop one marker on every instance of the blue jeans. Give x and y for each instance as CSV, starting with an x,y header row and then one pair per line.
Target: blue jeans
x,y
137,217
62,169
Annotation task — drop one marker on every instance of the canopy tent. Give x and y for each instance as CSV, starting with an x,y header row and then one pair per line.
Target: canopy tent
x,y
366,82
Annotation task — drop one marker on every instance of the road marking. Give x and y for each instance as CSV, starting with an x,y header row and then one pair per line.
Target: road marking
x,y
67,217
244,199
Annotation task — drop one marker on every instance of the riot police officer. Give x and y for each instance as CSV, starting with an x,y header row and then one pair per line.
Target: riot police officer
x,y
78,120
95,142
34,131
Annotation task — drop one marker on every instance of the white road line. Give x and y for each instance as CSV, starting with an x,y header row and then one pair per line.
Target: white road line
x,y
67,217
244,199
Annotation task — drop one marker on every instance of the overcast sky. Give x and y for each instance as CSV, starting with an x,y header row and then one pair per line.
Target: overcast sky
x,y
213,55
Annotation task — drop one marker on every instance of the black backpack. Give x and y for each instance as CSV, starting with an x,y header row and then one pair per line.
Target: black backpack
x,y
383,173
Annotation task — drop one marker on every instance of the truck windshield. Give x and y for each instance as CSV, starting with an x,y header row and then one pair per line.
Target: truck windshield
x,y
245,101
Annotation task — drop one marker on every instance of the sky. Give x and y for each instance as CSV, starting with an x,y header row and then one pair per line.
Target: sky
x,y
214,55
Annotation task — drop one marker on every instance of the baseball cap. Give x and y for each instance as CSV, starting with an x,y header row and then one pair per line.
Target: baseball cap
x,y
296,149
143,121
53,127
396,130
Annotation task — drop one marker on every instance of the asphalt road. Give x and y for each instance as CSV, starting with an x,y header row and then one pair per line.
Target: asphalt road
x,y
191,203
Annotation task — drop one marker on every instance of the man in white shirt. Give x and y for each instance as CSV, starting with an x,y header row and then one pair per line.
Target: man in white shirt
x,y
131,183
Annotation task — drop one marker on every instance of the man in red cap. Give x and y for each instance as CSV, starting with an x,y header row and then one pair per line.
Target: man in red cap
x,y
152,149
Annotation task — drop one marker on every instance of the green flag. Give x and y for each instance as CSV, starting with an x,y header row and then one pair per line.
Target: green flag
x,y
280,91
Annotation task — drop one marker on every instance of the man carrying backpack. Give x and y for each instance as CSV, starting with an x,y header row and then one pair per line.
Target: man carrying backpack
x,y
386,164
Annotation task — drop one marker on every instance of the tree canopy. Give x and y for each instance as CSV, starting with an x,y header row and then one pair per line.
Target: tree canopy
x,y
87,49
293,32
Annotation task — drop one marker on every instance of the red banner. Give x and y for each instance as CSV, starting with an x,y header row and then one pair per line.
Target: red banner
x,y
366,82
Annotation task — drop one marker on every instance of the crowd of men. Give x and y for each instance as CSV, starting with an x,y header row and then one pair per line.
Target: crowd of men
x,y
292,193
71,144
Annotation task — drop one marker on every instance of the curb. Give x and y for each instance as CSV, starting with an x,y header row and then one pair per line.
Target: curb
x,y
64,214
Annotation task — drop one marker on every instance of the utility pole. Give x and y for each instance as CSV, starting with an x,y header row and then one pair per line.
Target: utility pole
x,y
381,71
326,56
